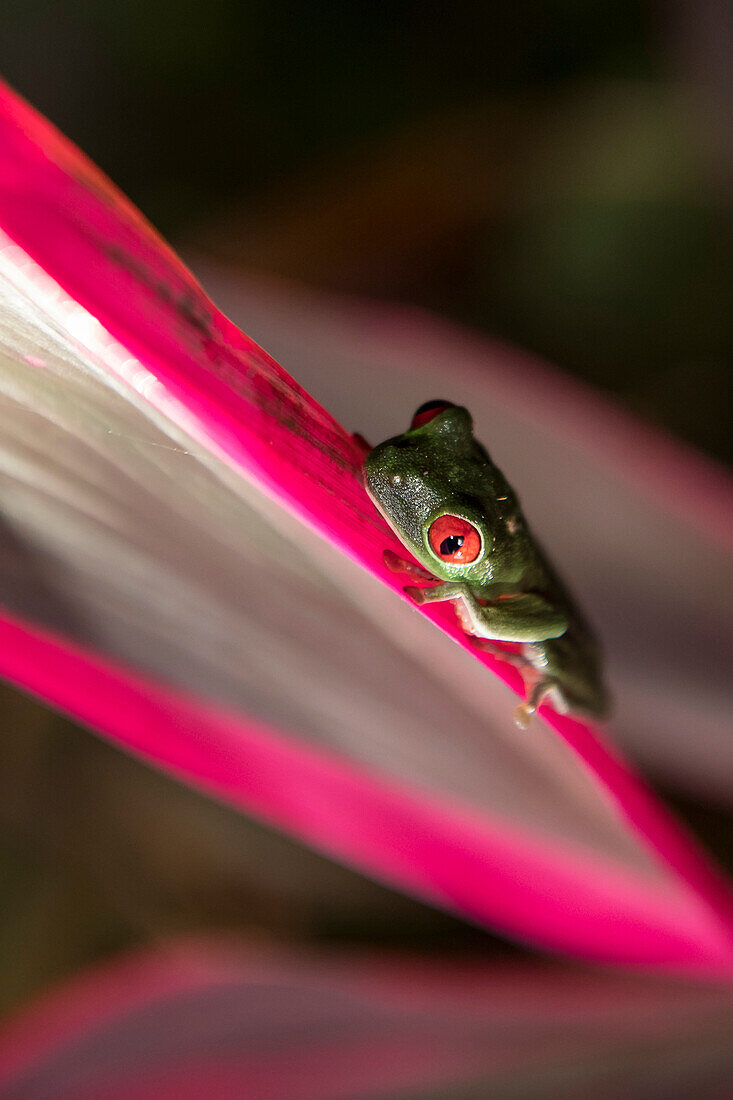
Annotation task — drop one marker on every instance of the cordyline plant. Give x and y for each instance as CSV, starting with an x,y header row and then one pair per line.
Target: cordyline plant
x,y
202,582
204,1019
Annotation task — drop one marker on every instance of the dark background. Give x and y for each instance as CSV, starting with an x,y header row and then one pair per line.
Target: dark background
x,y
555,172
558,174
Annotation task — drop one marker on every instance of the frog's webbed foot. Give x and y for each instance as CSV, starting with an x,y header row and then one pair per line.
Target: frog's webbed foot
x,y
414,594
396,564
523,713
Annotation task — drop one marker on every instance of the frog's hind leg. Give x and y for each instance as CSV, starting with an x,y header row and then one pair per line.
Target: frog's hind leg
x,y
539,689
573,663
523,713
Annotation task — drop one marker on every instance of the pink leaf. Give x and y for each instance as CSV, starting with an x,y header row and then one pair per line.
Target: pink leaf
x,y
180,498
203,1019
639,523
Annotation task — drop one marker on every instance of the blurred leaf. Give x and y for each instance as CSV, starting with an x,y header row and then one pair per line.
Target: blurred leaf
x,y
164,463
192,1020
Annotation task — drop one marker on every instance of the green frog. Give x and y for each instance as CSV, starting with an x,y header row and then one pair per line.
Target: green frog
x,y
455,512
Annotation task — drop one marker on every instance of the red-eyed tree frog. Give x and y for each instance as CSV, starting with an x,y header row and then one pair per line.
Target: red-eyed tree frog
x,y
455,512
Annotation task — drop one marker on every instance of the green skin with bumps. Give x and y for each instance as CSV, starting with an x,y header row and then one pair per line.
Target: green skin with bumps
x,y
509,592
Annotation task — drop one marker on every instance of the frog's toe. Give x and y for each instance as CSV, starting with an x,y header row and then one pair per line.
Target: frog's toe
x,y
393,561
523,715
414,594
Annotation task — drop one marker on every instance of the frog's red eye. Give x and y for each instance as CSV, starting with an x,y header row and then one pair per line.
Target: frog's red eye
x,y
454,540
428,411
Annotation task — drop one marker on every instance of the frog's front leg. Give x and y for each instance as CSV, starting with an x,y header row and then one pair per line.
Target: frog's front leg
x,y
525,617
446,590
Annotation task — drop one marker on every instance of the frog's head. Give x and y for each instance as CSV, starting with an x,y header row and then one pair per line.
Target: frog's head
x,y
433,485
